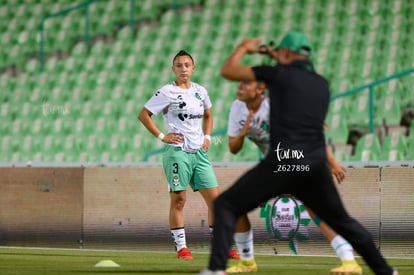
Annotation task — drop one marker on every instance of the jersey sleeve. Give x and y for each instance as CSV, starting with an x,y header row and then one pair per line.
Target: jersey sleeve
x,y
157,102
207,101
264,72
233,127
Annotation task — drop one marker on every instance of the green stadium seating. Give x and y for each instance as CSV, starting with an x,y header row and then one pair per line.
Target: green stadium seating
x,y
341,155
368,147
360,112
337,129
405,86
355,42
392,143
409,155
392,155
388,111
364,155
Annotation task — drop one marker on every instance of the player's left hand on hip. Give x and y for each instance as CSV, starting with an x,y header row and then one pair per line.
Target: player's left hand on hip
x,y
206,145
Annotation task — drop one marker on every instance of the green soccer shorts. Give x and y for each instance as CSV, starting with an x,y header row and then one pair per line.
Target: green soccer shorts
x,y
183,169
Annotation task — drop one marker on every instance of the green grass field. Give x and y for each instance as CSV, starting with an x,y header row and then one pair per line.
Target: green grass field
x,y
62,261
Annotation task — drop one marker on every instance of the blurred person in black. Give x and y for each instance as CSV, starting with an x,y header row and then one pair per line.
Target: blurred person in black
x,y
296,162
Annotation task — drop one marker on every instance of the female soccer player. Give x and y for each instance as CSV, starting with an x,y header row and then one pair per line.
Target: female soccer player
x,y
186,108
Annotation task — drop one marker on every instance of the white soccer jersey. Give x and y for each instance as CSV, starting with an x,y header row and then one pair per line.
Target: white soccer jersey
x,y
259,128
183,112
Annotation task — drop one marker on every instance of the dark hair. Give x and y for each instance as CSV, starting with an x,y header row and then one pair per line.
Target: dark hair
x,y
183,53
261,82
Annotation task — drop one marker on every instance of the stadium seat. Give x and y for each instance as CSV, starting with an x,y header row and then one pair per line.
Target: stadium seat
x,y
392,155
409,156
337,130
368,146
395,141
341,155
6,148
364,155
359,108
388,111
406,85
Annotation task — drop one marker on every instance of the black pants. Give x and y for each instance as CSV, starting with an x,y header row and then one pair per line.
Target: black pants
x,y
315,188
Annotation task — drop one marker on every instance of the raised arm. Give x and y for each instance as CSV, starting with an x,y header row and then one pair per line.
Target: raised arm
x,y
232,69
236,143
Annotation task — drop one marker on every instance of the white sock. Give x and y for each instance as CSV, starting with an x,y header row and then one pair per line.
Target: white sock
x,y
244,244
178,236
342,248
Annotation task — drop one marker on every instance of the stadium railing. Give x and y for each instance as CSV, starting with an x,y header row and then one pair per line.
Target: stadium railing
x,y
370,87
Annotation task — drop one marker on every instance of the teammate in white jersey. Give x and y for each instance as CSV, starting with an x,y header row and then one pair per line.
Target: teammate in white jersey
x,y
186,108
249,117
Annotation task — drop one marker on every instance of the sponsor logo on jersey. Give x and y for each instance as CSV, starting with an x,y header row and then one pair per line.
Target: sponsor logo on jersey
x,y
183,117
176,180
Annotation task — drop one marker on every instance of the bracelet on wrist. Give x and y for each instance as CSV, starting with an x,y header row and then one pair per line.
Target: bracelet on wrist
x,y
207,137
161,136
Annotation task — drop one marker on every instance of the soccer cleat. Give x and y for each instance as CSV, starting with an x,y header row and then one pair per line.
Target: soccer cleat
x,y
249,266
234,255
184,253
347,268
209,272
